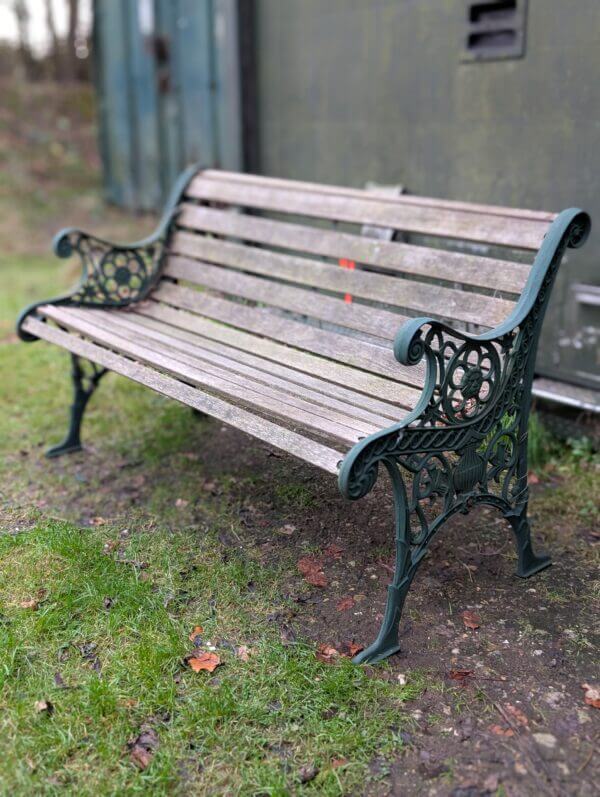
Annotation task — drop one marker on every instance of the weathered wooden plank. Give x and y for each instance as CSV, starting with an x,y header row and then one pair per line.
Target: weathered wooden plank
x,y
352,398
483,228
374,321
417,261
409,199
337,372
417,297
193,353
333,345
273,434
234,386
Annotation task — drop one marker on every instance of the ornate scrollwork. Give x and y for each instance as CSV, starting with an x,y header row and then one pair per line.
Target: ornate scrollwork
x,y
111,275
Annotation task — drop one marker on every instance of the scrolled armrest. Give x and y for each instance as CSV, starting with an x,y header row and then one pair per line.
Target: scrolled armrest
x,y
113,274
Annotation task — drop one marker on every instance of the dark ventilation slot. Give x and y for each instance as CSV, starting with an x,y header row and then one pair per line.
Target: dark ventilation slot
x,y
496,29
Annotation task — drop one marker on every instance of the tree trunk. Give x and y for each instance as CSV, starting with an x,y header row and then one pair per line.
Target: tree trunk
x,y
22,16
55,42
71,39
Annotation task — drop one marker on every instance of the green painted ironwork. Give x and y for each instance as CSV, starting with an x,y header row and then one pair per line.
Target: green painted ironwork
x,y
466,441
113,275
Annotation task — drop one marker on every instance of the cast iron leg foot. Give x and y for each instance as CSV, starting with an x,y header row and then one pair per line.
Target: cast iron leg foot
x,y
85,380
529,563
387,642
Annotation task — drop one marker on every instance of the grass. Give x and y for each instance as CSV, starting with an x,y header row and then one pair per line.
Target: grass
x,y
248,729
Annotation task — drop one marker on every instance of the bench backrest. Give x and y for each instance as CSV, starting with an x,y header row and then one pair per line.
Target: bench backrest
x,y
281,242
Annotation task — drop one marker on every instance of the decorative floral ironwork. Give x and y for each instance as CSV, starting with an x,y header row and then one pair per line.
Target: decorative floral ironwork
x,y
466,441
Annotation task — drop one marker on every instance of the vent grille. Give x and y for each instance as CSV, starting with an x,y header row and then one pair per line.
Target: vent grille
x,y
495,30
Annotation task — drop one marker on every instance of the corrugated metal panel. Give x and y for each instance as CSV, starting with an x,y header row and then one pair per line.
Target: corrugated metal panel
x,y
168,83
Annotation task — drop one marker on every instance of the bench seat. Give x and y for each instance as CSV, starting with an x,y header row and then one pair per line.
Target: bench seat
x,y
259,301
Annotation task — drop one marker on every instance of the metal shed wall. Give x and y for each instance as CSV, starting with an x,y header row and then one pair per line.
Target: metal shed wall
x,y
349,91
168,85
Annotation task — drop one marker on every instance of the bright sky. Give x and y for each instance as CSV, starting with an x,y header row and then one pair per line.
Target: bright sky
x,y
38,32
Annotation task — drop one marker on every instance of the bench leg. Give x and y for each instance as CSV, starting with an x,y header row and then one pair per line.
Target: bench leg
x,y
528,562
85,376
387,642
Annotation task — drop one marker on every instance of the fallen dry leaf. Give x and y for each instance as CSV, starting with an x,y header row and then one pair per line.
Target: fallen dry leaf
x,y
310,567
32,603
181,502
307,773
471,620
196,632
533,478
499,730
592,695
142,748
243,652
204,661
345,603
97,521
336,763
287,530
354,648
334,551
326,653
43,706
516,714
460,675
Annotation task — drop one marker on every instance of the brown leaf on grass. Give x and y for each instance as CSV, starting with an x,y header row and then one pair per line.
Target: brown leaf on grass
x,y
307,773
203,661
180,503
243,652
142,748
345,603
354,648
471,620
310,567
336,763
500,730
287,530
196,632
31,603
516,714
592,695
326,653
460,675
334,551
533,478
97,521
43,707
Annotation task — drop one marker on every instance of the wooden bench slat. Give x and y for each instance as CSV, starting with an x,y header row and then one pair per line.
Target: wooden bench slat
x,y
360,402
404,199
455,224
273,434
194,353
333,345
244,391
364,382
418,261
373,321
417,297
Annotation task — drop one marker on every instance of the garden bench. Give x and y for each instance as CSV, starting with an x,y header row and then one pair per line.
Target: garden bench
x,y
420,359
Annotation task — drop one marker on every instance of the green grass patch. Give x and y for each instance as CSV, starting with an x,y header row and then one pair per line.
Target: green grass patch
x,y
118,634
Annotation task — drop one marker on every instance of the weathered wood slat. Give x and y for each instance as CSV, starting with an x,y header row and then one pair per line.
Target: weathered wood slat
x,y
360,402
337,372
374,321
333,345
480,227
298,445
194,353
410,295
405,199
242,390
417,261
